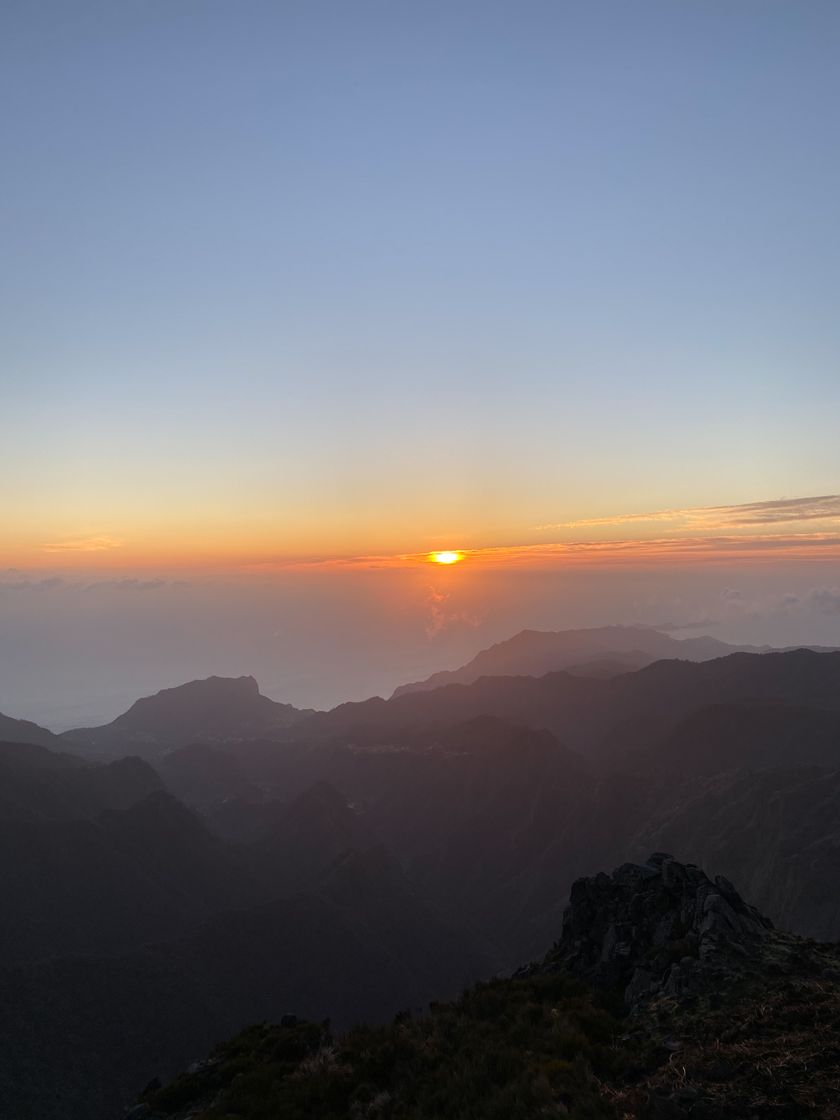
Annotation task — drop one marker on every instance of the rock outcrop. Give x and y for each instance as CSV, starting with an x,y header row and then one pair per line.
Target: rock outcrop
x,y
658,928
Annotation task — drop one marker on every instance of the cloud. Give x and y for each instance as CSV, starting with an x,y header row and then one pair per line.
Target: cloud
x,y
83,544
127,585
781,511
441,618
674,549
47,584
819,600
826,600
693,624
50,583
785,511
793,529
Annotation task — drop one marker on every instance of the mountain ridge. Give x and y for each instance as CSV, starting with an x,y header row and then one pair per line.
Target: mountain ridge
x,y
537,652
213,709
25,731
584,712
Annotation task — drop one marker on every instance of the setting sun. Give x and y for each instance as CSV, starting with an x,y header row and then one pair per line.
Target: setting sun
x,y
446,557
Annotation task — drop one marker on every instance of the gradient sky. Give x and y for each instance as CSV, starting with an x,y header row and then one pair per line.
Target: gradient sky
x,y
340,278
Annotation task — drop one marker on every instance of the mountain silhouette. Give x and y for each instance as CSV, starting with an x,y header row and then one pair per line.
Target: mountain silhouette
x,y
600,717
24,731
216,709
533,653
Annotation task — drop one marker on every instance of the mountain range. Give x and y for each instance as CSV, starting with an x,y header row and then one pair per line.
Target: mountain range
x,y
533,653
259,860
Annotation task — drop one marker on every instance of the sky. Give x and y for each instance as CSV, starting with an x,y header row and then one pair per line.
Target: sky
x,y
293,294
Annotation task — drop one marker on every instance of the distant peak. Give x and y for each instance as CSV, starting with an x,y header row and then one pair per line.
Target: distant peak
x,y
245,684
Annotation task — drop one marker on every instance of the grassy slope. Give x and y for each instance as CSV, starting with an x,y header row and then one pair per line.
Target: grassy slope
x,y
507,1050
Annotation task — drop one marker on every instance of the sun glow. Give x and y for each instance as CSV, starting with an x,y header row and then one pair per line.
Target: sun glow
x,y
446,557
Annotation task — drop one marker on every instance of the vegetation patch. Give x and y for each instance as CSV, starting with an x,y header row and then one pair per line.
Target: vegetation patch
x,y
507,1050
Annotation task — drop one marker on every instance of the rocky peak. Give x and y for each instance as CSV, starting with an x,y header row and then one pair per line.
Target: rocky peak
x,y
657,928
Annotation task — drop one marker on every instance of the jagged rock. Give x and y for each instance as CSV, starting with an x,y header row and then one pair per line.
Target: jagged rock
x,y
655,929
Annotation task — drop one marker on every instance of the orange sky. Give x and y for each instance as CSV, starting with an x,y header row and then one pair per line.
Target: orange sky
x,y
783,529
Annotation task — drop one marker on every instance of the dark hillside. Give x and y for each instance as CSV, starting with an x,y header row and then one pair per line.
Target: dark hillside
x,y
667,996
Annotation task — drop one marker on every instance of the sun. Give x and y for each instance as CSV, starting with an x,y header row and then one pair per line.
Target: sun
x,y
446,557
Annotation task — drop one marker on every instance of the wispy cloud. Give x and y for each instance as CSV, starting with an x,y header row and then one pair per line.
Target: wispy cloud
x,y
671,548
780,529
83,544
126,585
780,511
784,511
628,549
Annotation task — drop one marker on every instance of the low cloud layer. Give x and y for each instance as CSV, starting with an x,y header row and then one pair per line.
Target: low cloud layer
x,y
17,581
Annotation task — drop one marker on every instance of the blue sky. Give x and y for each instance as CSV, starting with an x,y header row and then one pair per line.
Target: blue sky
x,y
557,258
344,278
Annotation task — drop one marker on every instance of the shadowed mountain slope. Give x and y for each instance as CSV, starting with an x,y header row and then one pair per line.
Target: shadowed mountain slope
x,y
775,831
103,884
602,718
24,731
494,821
39,784
747,735
359,945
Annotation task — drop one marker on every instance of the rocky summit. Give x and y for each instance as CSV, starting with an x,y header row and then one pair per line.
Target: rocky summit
x,y
657,928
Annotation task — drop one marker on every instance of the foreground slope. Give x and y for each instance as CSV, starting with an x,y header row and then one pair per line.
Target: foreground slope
x,y
667,997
